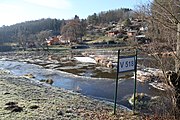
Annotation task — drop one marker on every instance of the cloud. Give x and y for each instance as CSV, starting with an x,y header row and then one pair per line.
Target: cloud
x,y
58,4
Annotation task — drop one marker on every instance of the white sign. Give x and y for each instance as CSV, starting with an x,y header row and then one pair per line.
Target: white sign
x,y
126,63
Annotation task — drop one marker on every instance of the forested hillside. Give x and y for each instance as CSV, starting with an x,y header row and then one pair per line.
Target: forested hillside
x,y
109,16
31,31
28,29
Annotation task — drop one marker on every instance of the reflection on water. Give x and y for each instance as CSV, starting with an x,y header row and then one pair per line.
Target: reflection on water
x,y
102,88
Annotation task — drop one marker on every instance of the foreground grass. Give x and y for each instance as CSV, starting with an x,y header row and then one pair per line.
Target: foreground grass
x,y
24,99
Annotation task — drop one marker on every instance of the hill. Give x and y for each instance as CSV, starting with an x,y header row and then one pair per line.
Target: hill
x,y
34,33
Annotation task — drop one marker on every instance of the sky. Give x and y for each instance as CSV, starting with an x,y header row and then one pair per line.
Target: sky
x,y
16,11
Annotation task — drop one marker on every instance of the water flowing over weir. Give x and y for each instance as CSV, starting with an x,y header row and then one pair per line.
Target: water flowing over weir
x,y
100,88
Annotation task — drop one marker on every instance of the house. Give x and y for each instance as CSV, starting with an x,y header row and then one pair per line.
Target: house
x,y
132,33
112,33
53,41
142,39
63,40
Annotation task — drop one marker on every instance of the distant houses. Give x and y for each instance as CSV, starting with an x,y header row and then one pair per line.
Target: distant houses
x,y
135,30
56,40
132,33
52,41
113,33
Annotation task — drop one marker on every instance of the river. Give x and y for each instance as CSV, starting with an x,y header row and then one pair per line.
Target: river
x,y
101,88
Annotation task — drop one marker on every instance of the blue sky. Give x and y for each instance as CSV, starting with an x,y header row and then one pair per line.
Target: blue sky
x,y
15,11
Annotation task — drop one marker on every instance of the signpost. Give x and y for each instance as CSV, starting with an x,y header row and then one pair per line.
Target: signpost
x,y
125,64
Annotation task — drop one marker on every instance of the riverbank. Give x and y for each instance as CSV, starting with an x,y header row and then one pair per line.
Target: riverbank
x,y
22,98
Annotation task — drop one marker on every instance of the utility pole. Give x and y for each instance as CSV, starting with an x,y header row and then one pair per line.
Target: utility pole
x,y
177,67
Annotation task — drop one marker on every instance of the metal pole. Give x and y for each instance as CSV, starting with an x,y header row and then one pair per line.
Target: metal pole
x,y
135,80
115,95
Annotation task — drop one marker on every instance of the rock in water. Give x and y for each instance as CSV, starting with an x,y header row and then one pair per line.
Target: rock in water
x,y
49,81
29,75
110,64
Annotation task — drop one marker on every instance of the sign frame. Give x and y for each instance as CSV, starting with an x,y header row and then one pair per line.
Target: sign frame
x,y
135,77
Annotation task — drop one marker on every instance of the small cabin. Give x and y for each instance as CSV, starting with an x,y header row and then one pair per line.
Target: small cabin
x,y
131,33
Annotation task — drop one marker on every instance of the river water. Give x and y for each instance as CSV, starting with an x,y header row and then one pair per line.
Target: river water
x,y
100,88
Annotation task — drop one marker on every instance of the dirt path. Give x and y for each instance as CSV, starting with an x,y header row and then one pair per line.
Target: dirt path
x,y
24,99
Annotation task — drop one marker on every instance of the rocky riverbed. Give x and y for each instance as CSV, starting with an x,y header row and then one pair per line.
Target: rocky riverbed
x,y
22,98
60,61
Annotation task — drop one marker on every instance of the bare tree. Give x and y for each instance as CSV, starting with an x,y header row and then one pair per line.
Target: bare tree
x,y
41,39
73,30
22,37
163,18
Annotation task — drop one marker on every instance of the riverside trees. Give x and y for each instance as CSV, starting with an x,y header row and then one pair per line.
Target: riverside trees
x,y
74,30
163,19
